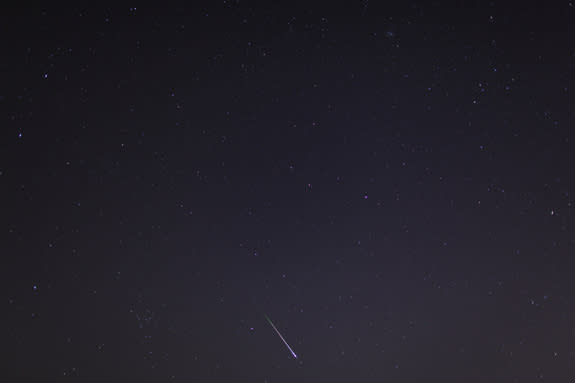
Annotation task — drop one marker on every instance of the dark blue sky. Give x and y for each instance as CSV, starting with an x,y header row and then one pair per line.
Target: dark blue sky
x,y
392,186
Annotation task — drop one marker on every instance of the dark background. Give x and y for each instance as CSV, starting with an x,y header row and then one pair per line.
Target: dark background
x,y
391,184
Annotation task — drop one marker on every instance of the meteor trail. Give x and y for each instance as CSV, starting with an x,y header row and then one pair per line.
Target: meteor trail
x,y
281,337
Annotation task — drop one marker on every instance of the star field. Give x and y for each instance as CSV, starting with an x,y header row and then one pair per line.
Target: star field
x,y
391,184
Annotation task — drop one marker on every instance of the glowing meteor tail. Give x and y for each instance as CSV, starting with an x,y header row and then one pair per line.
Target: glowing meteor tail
x,y
281,337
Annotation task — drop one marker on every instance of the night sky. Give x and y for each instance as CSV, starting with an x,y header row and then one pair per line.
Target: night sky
x,y
391,185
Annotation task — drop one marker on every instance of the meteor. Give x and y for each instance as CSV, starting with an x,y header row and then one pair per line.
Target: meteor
x,y
281,337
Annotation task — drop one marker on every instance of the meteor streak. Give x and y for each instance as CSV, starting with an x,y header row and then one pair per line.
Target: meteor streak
x,y
281,337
